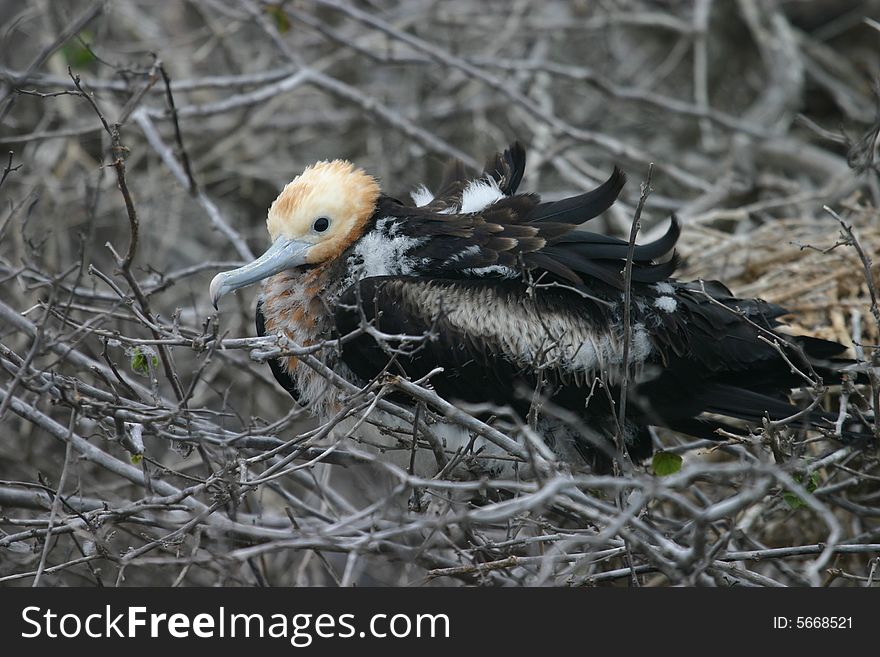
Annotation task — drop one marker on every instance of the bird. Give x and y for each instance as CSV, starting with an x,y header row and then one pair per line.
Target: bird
x,y
502,303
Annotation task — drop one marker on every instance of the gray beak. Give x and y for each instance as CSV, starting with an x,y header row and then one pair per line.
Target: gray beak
x,y
283,254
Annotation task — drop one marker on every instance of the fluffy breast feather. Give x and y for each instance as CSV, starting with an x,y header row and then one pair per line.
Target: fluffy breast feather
x,y
537,332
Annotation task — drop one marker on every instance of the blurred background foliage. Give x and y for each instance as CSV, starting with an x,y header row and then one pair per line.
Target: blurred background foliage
x,y
755,114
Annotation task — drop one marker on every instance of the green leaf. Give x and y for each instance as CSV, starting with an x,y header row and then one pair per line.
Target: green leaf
x,y
282,21
137,458
666,463
140,363
793,501
75,53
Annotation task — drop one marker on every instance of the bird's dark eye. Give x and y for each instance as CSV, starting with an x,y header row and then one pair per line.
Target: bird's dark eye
x,y
321,224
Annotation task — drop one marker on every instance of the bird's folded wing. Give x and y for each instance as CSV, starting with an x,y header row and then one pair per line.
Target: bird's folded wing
x,y
496,340
490,337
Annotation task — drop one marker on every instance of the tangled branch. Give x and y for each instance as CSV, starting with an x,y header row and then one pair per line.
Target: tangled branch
x,y
144,440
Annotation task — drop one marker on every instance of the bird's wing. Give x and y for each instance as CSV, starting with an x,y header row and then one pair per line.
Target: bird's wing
x,y
721,355
495,341
516,234
507,168
491,340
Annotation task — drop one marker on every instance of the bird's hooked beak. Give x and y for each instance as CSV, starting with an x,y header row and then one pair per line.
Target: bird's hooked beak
x,y
283,254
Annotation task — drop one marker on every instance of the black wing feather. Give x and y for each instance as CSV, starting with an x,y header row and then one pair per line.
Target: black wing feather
x,y
578,209
595,245
705,358
507,168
